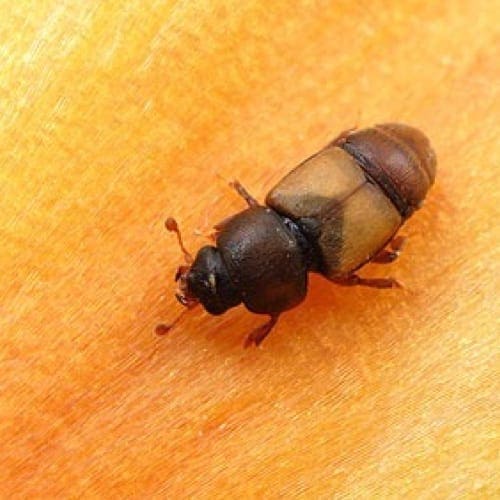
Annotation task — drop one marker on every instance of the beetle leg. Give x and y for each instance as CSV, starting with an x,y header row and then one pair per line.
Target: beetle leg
x,y
385,257
398,243
236,185
388,256
354,280
261,332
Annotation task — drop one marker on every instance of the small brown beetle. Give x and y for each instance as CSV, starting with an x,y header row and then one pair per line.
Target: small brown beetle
x,y
331,215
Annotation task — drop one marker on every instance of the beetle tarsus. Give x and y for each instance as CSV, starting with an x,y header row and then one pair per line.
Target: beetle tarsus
x,y
355,280
261,332
237,186
164,328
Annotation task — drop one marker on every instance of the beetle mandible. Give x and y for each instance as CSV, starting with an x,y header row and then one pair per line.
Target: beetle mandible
x,y
333,213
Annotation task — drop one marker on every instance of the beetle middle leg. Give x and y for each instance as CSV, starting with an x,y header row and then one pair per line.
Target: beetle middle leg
x,y
387,256
355,280
237,186
261,332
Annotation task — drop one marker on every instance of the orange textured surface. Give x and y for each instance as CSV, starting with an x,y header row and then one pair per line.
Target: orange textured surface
x,y
116,114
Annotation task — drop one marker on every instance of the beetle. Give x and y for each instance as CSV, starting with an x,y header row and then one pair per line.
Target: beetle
x,y
336,211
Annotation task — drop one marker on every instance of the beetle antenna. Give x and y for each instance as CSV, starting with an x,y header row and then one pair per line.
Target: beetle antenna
x,y
171,225
163,328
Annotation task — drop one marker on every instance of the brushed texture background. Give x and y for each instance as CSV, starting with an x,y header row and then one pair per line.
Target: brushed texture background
x,y
116,114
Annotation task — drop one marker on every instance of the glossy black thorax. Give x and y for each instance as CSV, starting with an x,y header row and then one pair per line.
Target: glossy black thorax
x,y
261,259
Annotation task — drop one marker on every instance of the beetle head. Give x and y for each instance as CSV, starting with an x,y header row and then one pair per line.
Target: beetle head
x,y
207,281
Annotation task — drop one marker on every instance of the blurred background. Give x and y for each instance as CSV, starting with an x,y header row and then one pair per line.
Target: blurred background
x,y
115,115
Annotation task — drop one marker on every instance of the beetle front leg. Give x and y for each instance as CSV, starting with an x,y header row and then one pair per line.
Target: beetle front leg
x,y
261,332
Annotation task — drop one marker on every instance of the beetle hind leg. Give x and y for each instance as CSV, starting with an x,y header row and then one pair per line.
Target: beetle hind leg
x,y
355,280
387,256
257,335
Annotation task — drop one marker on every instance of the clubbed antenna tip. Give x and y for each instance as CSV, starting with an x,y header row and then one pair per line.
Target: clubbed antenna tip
x,y
172,226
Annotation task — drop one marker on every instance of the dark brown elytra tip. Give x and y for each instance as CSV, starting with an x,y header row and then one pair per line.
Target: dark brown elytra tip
x,y
399,158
